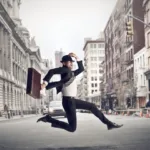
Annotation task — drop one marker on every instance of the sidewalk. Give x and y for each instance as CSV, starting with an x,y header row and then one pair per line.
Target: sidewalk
x,y
3,119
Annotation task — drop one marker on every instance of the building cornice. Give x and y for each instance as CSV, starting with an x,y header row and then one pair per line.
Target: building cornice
x,y
12,26
92,41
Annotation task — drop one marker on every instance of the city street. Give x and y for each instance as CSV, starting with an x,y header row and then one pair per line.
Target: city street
x,y
91,134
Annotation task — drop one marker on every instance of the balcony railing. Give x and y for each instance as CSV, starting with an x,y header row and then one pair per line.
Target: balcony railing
x,y
115,25
118,73
128,43
125,80
129,62
147,72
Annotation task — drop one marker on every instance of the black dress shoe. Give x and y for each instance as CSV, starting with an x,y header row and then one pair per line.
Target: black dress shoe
x,y
44,119
113,126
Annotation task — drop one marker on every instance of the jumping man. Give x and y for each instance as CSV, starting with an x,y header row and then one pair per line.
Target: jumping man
x,y
67,85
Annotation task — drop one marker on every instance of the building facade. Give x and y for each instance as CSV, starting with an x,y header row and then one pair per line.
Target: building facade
x,y
140,78
46,65
58,57
94,53
17,54
80,88
146,6
120,49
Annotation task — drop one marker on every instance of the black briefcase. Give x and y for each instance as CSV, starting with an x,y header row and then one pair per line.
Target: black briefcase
x,y
33,83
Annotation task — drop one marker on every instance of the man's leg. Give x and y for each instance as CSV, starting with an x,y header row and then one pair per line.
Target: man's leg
x,y
70,109
92,107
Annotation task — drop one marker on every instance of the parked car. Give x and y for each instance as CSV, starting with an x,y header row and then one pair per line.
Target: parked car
x,y
55,109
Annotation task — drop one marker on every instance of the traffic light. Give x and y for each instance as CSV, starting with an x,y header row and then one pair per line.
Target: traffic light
x,y
129,28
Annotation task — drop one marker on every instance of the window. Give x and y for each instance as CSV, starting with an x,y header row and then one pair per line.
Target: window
x,y
91,45
95,52
92,79
143,61
95,58
95,84
149,62
148,39
120,50
149,86
131,53
94,45
148,16
100,78
135,66
129,39
101,45
92,91
95,90
101,71
13,52
95,78
0,57
101,58
92,85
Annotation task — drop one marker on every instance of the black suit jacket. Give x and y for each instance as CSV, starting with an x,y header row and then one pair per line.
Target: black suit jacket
x,y
65,73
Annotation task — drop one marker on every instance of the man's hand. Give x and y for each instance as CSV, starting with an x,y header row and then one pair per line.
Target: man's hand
x,y
74,55
42,91
43,86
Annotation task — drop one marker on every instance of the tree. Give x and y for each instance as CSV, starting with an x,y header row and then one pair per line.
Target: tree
x,y
131,90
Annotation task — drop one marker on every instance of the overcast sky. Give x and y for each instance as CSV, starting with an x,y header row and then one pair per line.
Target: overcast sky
x,y
64,23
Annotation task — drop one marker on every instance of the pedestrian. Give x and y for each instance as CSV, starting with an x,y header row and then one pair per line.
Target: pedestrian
x,y
6,109
67,85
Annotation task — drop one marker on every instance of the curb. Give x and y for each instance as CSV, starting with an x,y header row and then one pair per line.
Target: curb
x,y
20,118
129,115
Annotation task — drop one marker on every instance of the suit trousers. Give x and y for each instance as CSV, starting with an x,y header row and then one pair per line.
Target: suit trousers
x,y
70,105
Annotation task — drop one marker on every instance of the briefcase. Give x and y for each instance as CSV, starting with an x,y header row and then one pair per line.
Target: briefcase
x,y
33,83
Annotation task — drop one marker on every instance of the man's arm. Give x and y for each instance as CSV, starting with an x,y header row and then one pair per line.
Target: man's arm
x,y
80,68
50,73
80,64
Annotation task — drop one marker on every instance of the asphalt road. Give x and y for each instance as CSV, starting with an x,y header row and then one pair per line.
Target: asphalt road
x,y
91,134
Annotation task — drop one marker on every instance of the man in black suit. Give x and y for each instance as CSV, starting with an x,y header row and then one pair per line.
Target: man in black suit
x,y
67,85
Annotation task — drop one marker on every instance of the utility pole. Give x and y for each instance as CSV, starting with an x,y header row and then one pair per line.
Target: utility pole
x,y
139,20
